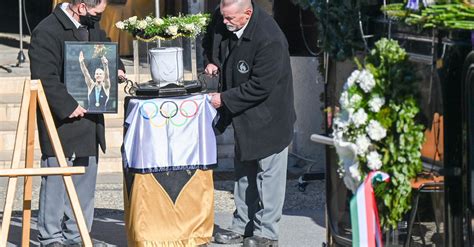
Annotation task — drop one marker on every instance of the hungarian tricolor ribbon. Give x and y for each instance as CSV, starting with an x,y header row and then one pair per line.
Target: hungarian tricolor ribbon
x,y
364,214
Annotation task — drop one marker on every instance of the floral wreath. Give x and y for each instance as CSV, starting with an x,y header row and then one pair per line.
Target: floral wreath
x,y
376,128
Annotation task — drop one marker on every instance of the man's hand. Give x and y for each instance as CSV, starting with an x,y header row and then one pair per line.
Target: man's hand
x,y
121,74
216,100
104,60
211,69
79,112
81,56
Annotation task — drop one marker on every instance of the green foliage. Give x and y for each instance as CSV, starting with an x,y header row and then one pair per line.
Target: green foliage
x,y
442,15
338,26
378,116
404,136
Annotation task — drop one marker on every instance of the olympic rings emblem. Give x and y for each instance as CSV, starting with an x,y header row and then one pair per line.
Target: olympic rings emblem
x,y
169,112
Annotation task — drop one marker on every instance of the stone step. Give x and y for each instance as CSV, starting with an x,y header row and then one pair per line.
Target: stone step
x,y
10,108
14,85
12,89
113,135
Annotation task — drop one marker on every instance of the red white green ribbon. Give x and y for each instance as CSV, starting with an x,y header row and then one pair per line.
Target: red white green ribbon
x,y
364,214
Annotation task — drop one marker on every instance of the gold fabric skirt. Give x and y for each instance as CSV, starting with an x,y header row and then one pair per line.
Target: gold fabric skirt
x,y
153,219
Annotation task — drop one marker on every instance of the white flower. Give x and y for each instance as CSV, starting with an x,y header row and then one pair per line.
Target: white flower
x,y
158,21
375,130
355,99
142,24
148,19
366,81
359,118
344,100
189,27
120,25
132,20
352,78
376,103
202,21
354,171
374,161
363,144
340,123
172,30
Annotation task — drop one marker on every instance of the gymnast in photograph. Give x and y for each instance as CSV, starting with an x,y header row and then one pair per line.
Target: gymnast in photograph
x,y
98,91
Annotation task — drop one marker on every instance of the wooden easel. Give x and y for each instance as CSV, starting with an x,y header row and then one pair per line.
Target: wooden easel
x,y
33,93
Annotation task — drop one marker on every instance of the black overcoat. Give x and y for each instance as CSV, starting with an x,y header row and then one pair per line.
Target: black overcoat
x,y
79,136
256,84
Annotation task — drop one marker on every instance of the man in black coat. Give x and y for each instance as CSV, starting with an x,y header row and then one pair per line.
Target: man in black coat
x,y
80,133
247,49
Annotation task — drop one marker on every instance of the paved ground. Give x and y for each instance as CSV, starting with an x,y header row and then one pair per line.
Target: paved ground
x,y
302,225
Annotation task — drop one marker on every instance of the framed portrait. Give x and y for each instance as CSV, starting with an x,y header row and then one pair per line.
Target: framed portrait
x,y
90,75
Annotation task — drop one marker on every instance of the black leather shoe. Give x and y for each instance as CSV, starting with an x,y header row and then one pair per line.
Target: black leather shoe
x,y
228,237
257,241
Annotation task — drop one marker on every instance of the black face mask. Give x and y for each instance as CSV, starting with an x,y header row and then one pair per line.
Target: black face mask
x,y
89,20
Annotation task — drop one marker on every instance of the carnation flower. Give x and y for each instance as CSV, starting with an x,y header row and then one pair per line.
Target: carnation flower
x,y
363,144
355,100
344,99
158,21
359,118
189,27
172,30
376,103
375,130
374,161
142,24
366,81
352,78
120,25
203,20
132,20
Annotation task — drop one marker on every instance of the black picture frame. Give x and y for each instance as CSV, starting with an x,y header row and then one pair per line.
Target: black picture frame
x,y
83,86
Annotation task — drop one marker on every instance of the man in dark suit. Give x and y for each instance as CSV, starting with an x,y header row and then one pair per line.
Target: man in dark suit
x,y
80,133
245,46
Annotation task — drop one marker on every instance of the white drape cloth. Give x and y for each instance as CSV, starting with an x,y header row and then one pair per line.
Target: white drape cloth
x,y
169,134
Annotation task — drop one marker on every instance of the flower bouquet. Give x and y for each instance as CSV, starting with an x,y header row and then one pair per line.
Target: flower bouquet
x,y
430,14
154,28
100,50
166,63
376,127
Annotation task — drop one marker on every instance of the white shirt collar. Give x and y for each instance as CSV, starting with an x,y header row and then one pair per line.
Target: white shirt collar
x,y
64,7
241,31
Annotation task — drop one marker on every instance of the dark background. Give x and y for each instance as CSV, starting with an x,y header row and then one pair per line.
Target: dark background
x,y
35,10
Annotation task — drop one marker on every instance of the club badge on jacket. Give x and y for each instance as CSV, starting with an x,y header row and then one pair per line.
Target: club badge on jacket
x,y
243,67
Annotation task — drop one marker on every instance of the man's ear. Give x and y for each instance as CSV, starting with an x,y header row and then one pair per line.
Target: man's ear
x,y
248,12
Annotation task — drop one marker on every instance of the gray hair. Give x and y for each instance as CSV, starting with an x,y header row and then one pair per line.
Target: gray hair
x,y
89,3
243,4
